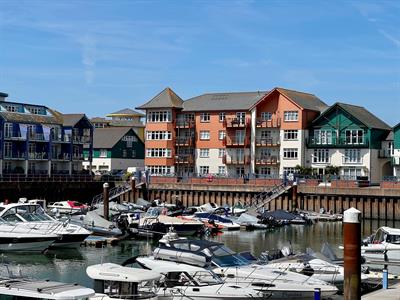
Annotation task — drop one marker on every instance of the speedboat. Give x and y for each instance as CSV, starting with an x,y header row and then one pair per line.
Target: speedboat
x,y
154,223
31,289
67,207
182,281
34,216
216,219
18,237
233,267
112,281
95,223
383,246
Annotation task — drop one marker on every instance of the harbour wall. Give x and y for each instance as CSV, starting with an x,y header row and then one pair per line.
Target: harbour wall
x,y
374,202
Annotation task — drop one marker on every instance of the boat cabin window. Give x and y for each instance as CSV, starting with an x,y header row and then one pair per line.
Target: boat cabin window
x,y
173,279
11,215
394,239
125,290
225,257
186,246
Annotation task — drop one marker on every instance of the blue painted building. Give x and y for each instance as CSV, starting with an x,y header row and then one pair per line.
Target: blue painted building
x,y
35,139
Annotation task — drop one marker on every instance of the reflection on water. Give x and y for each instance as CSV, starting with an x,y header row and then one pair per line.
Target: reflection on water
x,y
70,265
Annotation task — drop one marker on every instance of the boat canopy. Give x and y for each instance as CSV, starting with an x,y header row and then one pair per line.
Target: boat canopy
x,y
114,272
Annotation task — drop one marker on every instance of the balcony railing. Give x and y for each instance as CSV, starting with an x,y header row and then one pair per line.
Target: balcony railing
x,y
334,142
184,123
273,123
236,160
396,161
60,156
38,156
270,160
184,140
237,122
15,156
385,153
347,161
77,156
267,141
81,139
234,141
184,159
13,136
36,136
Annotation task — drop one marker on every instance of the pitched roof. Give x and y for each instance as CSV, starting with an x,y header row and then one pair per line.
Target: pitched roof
x,y
3,95
396,126
70,120
361,114
304,100
29,118
106,138
126,111
99,119
390,136
223,101
167,98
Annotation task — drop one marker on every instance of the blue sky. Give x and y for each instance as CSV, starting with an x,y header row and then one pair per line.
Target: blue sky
x,y
101,56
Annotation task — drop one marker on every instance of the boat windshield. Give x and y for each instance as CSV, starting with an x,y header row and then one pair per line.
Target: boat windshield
x,y
30,213
224,257
152,212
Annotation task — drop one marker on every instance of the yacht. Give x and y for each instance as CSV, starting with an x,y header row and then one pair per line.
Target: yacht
x,y
67,207
17,237
383,246
30,289
233,267
218,218
112,281
34,216
181,281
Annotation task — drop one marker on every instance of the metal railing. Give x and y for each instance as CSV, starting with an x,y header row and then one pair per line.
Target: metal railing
x,y
267,141
273,160
337,142
237,122
46,178
273,123
234,141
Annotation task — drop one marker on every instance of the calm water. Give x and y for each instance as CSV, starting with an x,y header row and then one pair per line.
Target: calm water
x,y
70,265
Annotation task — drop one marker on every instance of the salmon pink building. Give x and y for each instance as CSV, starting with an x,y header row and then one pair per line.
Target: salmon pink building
x,y
235,134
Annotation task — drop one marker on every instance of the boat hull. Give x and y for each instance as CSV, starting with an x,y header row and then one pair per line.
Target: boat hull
x,y
25,244
70,240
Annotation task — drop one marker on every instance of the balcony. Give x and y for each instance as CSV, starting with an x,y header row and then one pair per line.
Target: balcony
x,y
36,137
184,123
336,143
81,139
237,122
38,156
77,156
60,156
14,136
396,161
184,159
346,161
268,142
267,161
236,160
237,142
385,153
15,156
184,141
273,123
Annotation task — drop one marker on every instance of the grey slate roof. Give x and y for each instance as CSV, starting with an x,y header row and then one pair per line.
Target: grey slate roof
x,y
304,100
29,118
167,98
106,138
390,136
223,101
361,114
70,120
126,111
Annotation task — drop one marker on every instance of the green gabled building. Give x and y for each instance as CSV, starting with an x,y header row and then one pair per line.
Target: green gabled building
x,y
396,151
349,137
116,148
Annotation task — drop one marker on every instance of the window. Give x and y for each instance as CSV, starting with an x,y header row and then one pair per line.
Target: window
x,y
221,152
265,153
158,152
221,170
103,153
290,135
291,116
320,156
352,156
204,153
266,116
240,171
7,166
221,134
124,153
354,136
204,170
158,135
34,110
159,116
7,149
289,171
32,167
323,137
204,117
8,130
129,144
204,135
241,117
221,117
351,173
133,153
290,153
159,170
11,108
265,171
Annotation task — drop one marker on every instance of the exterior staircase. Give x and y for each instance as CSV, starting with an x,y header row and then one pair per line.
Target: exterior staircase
x,y
263,198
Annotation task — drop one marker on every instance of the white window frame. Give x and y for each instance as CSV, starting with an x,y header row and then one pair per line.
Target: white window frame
x,y
221,117
205,117
354,136
291,135
352,156
266,116
204,153
221,134
291,116
321,156
290,153
204,135
162,116
103,153
222,170
158,152
221,152
204,170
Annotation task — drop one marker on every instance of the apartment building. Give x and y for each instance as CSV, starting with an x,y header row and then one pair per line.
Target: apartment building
x,y
395,150
353,139
234,134
35,139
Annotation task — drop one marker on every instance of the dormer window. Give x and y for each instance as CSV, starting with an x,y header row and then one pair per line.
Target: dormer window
x,y
11,108
34,110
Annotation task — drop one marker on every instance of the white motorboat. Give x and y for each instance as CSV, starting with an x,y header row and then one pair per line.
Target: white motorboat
x,y
112,281
17,237
234,267
34,216
94,222
30,289
383,247
67,207
182,281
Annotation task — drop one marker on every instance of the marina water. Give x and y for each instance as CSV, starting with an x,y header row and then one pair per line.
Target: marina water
x,y
69,265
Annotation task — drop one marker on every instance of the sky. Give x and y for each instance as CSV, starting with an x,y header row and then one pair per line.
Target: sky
x,y
98,57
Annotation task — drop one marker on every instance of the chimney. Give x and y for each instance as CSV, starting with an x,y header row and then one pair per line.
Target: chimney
x,y
3,96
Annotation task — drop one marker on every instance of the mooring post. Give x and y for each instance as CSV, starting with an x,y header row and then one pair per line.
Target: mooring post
x,y
385,281
317,294
105,200
133,186
294,196
352,254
